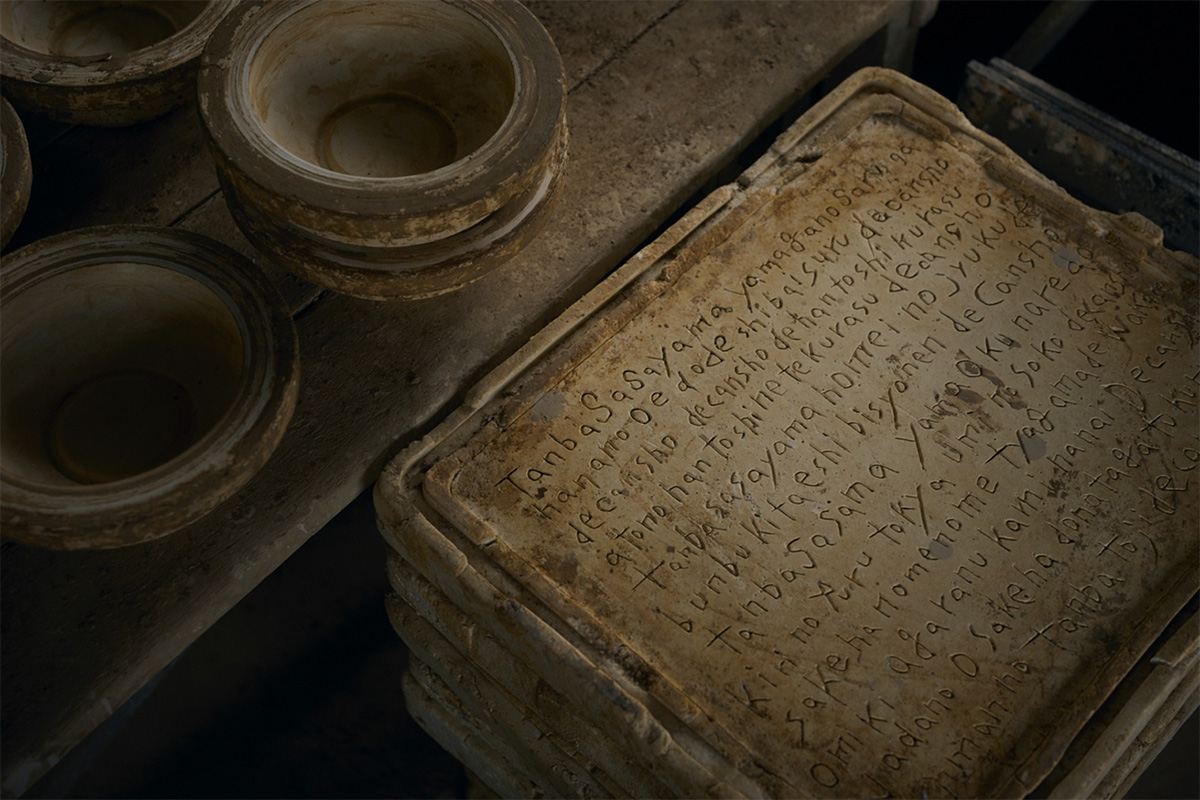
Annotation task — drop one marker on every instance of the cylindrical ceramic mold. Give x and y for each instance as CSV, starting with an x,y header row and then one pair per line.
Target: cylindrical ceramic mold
x,y
386,148
16,172
148,374
104,62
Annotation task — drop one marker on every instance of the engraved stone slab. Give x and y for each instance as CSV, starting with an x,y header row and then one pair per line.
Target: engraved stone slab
x,y
877,471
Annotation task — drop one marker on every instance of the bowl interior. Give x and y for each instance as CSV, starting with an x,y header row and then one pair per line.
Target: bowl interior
x,y
381,89
111,370
81,28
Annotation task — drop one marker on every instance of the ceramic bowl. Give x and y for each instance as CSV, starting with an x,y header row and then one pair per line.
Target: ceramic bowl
x,y
16,172
385,148
111,62
148,374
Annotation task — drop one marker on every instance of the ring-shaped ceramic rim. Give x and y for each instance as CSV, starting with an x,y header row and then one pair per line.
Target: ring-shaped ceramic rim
x,y
16,177
509,152
186,44
267,331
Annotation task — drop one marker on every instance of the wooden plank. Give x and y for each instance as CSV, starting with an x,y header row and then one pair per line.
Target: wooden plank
x,y
149,174
651,120
212,219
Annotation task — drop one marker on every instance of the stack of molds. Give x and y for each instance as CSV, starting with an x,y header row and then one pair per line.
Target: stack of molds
x,y
873,476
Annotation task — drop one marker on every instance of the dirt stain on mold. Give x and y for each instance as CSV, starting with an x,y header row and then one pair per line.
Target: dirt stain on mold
x,y
549,407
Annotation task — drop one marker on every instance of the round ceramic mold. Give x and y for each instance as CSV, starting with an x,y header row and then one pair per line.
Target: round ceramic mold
x,y
108,62
385,148
148,374
16,172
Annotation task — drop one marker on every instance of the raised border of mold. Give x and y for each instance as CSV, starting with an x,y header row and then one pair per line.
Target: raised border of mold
x,y
381,238
58,511
110,89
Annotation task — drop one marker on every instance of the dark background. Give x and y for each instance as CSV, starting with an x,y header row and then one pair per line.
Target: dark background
x,y
295,693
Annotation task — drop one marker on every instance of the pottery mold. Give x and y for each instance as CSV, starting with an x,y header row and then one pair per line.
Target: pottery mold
x,y
385,149
149,373
104,63
16,172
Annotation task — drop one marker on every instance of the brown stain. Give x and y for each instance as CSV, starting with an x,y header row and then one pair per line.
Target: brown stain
x,y
1011,396
968,396
637,670
1057,487
560,568
971,403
